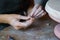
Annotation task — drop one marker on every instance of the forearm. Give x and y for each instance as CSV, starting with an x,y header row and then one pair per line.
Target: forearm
x,y
7,18
4,18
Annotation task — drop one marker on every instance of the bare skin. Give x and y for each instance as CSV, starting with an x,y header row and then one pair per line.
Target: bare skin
x,y
36,11
13,19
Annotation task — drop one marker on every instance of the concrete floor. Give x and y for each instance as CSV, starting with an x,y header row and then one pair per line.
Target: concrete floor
x,y
42,29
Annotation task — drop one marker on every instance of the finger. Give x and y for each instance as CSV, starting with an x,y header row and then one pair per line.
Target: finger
x,y
21,17
41,15
28,22
24,17
37,11
34,9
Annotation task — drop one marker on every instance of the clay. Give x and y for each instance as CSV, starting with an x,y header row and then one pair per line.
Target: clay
x,y
57,30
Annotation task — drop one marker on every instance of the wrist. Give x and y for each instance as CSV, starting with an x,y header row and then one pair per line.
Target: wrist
x,y
4,18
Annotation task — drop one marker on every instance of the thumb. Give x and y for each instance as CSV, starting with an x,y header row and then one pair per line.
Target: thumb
x,y
21,17
24,17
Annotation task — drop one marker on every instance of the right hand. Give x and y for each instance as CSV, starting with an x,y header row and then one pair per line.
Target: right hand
x,y
37,11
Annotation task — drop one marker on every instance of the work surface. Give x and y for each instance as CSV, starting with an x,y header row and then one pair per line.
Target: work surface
x,y
42,29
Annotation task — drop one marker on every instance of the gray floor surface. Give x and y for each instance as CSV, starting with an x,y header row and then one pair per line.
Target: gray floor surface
x,y
42,29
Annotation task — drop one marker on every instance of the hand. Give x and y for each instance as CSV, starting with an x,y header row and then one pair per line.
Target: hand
x,y
13,20
37,11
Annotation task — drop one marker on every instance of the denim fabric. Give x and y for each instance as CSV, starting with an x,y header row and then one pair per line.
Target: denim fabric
x,y
42,2
12,5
